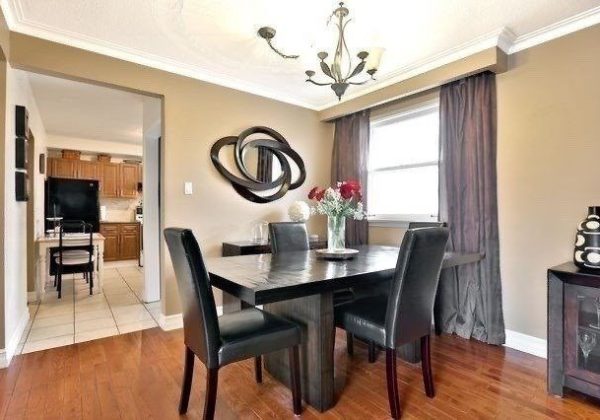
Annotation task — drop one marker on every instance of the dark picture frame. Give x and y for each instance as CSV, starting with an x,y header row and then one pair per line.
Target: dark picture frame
x,y
21,145
21,186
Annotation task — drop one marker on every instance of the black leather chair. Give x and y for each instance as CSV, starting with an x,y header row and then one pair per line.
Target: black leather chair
x,y
218,341
288,236
292,236
417,225
404,315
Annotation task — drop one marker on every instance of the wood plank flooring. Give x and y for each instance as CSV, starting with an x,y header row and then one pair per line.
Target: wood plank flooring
x,y
137,376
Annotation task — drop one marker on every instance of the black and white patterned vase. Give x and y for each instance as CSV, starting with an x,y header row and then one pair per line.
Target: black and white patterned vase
x,y
587,241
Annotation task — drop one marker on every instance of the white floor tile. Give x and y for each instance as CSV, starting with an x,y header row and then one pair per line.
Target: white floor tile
x,y
94,324
46,311
96,334
136,326
48,343
122,299
52,321
88,307
42,333
94,314
131,314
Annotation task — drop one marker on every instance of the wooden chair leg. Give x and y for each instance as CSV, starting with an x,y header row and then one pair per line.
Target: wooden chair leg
x,y
186,386
295,380
349,343
59,285
258,369
426,366
392,382
210,401
372,352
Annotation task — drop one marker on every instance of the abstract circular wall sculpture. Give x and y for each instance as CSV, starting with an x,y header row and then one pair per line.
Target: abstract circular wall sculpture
x,y
249,184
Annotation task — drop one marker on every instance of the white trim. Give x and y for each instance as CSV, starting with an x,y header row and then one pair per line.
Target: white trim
x,y
12,345
175,321
503,38
526,343
558,29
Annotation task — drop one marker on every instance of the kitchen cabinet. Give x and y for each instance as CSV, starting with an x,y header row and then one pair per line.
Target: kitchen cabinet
x,y
122,241
88,170
128,180
62,168
109,180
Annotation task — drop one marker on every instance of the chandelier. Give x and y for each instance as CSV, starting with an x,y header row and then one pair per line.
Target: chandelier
x,y
341,71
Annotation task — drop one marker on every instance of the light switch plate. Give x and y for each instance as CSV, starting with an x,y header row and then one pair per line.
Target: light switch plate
x,y
187,188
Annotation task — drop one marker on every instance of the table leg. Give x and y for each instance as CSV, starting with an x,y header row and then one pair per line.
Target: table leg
x,y
314,315
99,281
233,304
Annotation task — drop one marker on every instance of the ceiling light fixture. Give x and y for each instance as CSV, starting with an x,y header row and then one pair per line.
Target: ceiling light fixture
x,y
341,70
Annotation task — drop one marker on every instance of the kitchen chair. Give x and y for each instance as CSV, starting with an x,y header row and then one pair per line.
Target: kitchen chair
x,y
73,259
218,341
417,225
404,315
292,236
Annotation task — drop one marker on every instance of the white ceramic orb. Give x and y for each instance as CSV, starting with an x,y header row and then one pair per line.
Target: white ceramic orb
x,y
299,211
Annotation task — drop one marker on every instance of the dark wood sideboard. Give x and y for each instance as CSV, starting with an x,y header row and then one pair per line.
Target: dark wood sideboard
x,y
231,249
573,325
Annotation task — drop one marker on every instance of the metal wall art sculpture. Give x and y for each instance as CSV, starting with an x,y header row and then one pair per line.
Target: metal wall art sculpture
x,y
251,184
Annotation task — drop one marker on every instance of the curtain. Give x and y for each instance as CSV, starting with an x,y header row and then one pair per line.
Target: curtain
x,y
470,297
349,162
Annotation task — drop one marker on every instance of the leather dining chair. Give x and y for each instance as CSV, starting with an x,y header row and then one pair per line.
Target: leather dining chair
x,y
404,315
417,225
218,341
293,236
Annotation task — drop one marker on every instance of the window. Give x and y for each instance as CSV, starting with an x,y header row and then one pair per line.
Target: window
x,y
403,166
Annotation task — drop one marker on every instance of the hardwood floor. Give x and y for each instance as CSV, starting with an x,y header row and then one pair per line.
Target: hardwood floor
x,y
138,375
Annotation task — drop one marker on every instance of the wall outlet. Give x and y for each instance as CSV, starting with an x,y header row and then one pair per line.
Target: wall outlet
x,y
187,188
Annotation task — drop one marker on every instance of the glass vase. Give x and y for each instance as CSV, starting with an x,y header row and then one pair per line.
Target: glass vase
x,y
336,233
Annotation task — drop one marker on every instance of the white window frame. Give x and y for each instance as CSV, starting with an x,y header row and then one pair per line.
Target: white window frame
x,y
402,220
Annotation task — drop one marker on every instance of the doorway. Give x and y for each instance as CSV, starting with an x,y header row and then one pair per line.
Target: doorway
x,y
110,137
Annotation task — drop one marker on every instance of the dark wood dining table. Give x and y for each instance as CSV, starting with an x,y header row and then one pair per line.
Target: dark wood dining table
x,y
299,286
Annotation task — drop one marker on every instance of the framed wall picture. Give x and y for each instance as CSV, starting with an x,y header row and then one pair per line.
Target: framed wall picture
x,y
21,152
21,186
42,163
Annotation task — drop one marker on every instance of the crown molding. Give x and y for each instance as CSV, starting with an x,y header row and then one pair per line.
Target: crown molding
x,y
561,28
502,38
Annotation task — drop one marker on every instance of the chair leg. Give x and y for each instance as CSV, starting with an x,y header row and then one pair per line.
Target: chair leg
x,y
295,380
349,343
258,369
210,401
426,366
188,373
91,282
372,352
392,382
59,285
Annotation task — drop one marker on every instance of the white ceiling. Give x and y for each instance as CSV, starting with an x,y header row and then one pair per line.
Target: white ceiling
x,y
87,111
215,40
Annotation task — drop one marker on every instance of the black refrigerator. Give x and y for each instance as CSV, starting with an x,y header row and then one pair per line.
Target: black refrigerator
x,y
73,200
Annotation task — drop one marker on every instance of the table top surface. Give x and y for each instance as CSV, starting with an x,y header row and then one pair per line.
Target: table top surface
x,y
70,237
266,278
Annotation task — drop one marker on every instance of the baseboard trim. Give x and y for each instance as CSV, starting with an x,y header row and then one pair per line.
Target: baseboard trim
x,y
8,353
526,343
32,297
175,321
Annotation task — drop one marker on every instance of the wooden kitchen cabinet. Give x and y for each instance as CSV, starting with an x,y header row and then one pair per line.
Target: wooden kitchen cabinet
x,y
129,175
122,241
88,170
109,180
62,168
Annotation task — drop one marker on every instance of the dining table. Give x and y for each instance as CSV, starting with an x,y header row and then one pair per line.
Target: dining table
x,y
300,286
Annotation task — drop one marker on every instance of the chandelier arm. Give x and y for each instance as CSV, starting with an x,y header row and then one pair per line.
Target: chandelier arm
x,y
286,56
325,69
359,68
318,83
358,83
345,47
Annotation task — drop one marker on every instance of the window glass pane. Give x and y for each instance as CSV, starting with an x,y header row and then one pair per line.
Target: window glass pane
x,y
413,139
404,191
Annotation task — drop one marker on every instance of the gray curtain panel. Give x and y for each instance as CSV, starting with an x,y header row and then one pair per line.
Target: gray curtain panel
x,y
470,297
349,162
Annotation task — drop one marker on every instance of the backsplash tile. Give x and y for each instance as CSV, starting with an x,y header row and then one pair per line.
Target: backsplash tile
x,y
119,209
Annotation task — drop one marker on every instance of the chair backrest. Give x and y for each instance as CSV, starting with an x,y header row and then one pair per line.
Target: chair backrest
x,y
414,286
200,321
288,236
75,226
417,225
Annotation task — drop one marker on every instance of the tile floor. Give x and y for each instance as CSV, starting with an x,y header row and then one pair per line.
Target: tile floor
x,y
79,317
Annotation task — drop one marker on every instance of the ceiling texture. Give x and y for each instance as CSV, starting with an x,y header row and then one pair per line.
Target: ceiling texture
x,y
215,40
82,110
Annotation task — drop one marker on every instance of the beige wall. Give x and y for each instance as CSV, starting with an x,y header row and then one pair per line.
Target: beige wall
x,y
195,115
548,167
